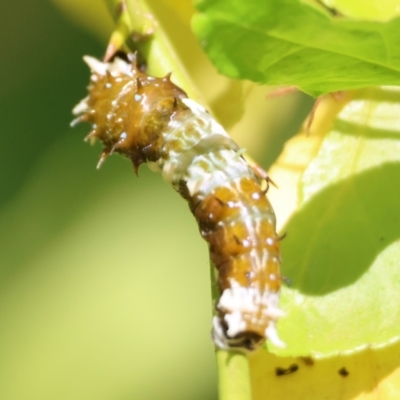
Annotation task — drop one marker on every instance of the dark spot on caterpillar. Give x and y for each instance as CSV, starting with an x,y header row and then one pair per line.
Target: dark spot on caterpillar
x,y
237,240
343,372
279,371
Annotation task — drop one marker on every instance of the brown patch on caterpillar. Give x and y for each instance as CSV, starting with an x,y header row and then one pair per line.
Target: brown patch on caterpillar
x,y
129,109
245,252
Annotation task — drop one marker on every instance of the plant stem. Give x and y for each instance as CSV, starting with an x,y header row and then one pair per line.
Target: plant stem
x,y
234,376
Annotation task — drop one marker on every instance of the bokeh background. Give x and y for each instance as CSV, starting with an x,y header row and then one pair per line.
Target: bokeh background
x,y
104,279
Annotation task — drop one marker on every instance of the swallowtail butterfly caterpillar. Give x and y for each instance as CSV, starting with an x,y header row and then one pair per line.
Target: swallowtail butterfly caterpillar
x,y
152,120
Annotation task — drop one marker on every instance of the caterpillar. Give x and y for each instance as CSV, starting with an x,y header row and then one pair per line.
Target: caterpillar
x,y
151,120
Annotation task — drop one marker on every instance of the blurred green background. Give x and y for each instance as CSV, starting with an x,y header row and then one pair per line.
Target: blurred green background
x,y
104,288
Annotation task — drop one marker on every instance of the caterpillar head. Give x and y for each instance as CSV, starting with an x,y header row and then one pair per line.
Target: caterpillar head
x,y
127,108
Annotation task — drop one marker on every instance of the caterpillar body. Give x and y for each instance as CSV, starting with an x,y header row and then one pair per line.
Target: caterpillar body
x,y
152,120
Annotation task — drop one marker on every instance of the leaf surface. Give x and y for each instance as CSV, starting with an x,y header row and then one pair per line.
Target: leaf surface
x,y
342,242
292,43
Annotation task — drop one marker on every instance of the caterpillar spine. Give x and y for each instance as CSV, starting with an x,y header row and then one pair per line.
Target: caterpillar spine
x,y
151,120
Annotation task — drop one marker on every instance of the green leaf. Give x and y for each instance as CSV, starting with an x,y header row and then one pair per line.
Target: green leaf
x,y
376,10
343,242
288,42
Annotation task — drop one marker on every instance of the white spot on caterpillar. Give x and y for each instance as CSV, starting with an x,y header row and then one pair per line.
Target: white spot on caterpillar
x,y
81,107
95,65
235,303
269,241
218,334
249,300
256,196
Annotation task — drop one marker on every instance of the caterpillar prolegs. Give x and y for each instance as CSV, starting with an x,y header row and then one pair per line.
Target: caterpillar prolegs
x,y
151,120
